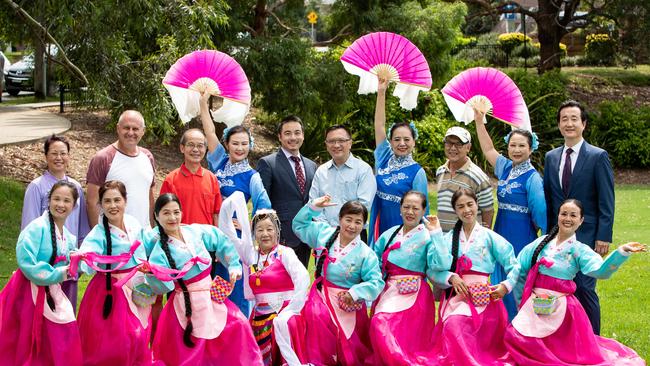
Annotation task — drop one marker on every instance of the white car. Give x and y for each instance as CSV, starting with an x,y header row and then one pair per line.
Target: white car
x,y
7,63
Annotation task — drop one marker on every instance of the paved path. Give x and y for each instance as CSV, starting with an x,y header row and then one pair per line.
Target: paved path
x,y
22,123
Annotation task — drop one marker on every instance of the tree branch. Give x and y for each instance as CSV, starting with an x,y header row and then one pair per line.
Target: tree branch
x,y
42,32
342,33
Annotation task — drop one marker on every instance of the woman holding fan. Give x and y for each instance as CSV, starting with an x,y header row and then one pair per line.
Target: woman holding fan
x,y
193,328
551,327
522,206
229,163
114,329
396,171
347,275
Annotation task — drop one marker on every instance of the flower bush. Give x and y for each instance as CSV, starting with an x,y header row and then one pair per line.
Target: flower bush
x,y
508,41
600,50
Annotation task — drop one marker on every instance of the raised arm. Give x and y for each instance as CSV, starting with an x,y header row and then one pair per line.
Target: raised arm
x,y
236,203
207,123
487,147
380,112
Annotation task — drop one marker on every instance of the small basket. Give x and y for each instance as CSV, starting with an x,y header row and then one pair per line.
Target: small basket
x,y
545,305
142,295
357,305
220,289
480,294
408,285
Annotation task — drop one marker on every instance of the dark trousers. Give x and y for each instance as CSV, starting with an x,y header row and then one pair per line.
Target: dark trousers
x,y
303,252
586,294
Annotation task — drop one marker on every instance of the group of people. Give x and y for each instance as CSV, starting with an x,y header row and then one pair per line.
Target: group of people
x,y
521,292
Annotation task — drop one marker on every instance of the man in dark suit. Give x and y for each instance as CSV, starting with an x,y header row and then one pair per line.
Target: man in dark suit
x,y
583,172
287,178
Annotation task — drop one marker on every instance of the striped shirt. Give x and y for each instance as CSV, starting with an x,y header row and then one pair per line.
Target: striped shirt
x,y
470,176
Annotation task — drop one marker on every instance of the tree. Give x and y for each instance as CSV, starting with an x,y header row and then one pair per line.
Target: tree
x,y
555,19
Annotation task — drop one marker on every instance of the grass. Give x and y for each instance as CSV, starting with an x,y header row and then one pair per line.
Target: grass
x,y
28,99
624,298
638,76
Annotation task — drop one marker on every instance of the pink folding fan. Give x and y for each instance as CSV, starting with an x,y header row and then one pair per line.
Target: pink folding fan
x,y
390,56
489,91
216,73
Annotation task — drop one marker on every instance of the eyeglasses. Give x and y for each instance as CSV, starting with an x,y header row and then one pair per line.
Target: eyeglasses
x,y
337,141
193,146
457,145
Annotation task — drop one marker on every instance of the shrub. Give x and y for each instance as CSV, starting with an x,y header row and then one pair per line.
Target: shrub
x,y
571,61
525,50
623,130
508,41
600,50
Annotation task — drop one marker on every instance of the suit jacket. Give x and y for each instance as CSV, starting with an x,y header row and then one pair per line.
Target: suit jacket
x,y
592,183
280,183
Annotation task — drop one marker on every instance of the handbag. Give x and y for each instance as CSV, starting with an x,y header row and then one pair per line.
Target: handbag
x,y
142,294
408,285
220,289
357,305
480,293
545,305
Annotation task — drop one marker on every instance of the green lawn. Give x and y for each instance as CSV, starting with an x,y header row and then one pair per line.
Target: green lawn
x,y
624,298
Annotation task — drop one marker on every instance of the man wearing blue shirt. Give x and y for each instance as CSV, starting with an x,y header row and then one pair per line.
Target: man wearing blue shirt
x,y
344,177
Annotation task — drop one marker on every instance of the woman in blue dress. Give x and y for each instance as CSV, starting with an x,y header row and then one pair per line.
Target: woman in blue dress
x,y
396,171
229,162
522,207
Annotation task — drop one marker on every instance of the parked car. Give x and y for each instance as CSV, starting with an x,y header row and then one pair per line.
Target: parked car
x,y
20,76
6,64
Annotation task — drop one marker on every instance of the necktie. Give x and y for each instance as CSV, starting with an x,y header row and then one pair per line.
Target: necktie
x,y
300,175
566,173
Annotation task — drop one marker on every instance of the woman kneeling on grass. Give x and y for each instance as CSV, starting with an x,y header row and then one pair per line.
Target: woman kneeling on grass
x,y
551,327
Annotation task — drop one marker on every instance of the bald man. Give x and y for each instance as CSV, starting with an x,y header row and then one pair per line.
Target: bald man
x,y
129,163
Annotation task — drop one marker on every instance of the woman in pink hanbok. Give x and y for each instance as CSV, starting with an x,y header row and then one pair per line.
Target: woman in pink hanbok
x,y
551,327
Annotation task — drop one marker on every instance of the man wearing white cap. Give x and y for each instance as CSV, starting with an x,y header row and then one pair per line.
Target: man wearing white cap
x,y
460,172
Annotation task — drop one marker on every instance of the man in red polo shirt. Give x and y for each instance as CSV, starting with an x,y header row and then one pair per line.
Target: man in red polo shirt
x,y
196,188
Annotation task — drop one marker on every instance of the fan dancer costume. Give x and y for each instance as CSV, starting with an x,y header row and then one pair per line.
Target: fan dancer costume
x,y
31,331
402,324
469,331
122,337
563,337
277,281
221,334
336,336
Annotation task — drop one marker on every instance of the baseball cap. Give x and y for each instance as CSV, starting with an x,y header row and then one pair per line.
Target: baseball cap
x,y
461,133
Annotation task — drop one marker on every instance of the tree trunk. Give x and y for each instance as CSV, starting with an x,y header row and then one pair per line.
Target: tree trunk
x,y
39,70
550,32
259,22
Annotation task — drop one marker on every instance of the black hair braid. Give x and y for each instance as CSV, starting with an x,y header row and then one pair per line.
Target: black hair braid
x,y
108,300
455,246
48,296
550,236
187,334
392,236
321,260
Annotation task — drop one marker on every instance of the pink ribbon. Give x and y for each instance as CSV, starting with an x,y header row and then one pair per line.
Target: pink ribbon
x,y
532,277
92,258
384,256
463,265
167,274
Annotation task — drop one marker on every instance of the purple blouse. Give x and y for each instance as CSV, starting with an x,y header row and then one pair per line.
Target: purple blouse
x,y
36,203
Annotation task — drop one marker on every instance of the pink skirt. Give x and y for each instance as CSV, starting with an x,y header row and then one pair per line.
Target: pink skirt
x,y
235,345
27,337
573,343
474,340
325,343
405,337
121,339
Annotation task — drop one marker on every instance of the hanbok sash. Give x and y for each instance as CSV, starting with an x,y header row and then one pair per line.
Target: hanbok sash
x,y
142,313
208,317
92,259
